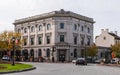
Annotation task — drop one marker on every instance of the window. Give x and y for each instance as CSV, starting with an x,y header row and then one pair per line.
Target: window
x,y
39,40
25,41
82,41
75,53
39,52
19,30
40,28
61,25
48,39
82,28
31,52
88,42
32,41
48,26
61,38
48,53
75,27
32,29
88,30
104,38
25,30
75,40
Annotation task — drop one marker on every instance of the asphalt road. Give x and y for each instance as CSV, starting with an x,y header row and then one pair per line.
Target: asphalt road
x,y
69,69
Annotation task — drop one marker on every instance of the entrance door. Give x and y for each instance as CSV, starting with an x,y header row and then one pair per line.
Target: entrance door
x,y
62,55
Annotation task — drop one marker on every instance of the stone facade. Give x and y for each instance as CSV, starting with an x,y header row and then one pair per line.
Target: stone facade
x,y
59,35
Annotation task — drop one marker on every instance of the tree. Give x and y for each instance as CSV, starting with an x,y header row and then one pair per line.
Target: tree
x,y
115,50
6,42
92,50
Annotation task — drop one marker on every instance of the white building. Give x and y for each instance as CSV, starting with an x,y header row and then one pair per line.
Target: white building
x,y
64,31
104,42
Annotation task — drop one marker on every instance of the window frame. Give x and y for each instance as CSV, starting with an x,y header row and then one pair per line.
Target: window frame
x,y
75,27
25,30
48,26
48,39
62,25
75,39
62,38
32,41
40,27
39,41
32,29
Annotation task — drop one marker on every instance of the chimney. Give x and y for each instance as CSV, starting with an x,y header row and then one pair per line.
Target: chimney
x,y
102,30
116,32
107,30
111,31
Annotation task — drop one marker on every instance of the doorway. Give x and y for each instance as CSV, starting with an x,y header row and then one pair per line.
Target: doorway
x,y
62,55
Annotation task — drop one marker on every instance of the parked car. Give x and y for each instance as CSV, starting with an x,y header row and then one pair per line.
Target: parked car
x,y
81,61
5,58
74,61
98,61
115,60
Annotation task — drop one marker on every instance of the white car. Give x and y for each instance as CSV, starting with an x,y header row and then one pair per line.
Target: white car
x,y
74,61
5,58
115,60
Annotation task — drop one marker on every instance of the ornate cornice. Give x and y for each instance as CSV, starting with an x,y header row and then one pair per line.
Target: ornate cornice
x,y
60,13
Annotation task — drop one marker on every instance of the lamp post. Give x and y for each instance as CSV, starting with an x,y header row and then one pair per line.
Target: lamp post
x,y
13,41
85,51
53,50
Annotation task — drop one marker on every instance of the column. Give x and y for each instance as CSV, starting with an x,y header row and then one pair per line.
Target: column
x,y
22,34
44,31
36,34
28,43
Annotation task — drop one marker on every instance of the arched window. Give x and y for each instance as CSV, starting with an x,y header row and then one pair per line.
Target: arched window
x,y
48,53
19,31
40,27
48,26
39,52
32,52
25,30
25,54
32,29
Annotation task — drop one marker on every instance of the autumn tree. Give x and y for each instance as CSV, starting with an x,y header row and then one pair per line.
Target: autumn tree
x,y
6,42
115,50
92,50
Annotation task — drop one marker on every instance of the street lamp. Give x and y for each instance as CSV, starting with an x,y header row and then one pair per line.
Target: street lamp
x,y
53,50
85,51
13,41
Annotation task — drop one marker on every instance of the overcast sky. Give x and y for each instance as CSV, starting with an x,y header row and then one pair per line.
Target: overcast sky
x,y
106,13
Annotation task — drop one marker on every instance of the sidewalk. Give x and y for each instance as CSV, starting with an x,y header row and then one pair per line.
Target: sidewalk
x,y
112,65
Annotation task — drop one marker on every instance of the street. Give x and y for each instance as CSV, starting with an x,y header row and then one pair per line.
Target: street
x,y
69,69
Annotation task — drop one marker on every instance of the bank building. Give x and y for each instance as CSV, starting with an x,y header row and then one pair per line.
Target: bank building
x,y
55,36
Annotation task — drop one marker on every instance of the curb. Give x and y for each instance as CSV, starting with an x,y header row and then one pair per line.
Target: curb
x,y
18,70
108,65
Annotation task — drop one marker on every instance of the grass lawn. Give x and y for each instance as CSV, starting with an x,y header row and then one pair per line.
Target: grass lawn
x,y
16,67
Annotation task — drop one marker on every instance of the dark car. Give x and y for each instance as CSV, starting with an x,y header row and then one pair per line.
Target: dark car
x,y
81,61
5,58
